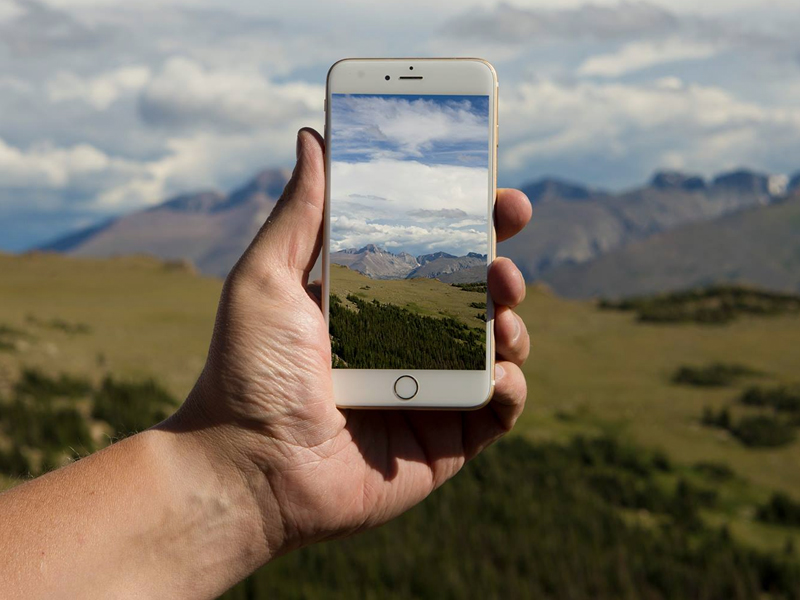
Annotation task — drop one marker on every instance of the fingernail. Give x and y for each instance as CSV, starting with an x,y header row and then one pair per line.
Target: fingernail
x,y
517,328
297,146
499,373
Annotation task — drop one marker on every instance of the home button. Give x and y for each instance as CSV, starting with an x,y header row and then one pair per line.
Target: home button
x,y
406,387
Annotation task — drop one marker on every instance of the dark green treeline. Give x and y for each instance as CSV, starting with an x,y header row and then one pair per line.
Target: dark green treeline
x,y
385,336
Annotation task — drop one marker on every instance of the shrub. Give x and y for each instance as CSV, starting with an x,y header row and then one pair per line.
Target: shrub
x,y
718,304
763,431
14,463
781,510
780,398
715,471
8,337
713,375
131,406
60,324
37,385
471,287
40,425
721,419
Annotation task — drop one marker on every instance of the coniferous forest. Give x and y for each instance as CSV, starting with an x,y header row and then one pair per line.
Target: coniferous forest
x,y
386,336
590,519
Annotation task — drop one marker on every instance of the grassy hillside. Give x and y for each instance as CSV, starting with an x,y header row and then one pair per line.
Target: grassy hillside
x,y
135,317
425,297
592,373
760,246
418,323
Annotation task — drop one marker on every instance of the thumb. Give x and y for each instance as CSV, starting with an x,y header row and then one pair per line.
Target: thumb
x,y
290,240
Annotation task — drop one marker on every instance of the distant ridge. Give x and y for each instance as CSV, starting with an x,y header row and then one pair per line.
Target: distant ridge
x,y
573,224
758,246
208,228
557,189
378,263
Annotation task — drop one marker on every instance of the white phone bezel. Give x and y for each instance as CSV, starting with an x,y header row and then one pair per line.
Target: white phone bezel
x,y
438,389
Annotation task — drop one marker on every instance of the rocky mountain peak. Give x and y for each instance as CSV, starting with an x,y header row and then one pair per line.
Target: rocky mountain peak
x,y
426,258
548,189
675,180
794,183
194,203
743,180
269,182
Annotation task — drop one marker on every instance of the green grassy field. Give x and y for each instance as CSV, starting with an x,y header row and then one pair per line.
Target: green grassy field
x,y
426,297
591,371
419,323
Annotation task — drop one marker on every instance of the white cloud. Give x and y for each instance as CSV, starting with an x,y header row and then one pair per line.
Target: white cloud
x,y
509,24
100,91
218,107
641,55
442,213
15,85
186,95
411,125
409,187
10,10
701,127
46,166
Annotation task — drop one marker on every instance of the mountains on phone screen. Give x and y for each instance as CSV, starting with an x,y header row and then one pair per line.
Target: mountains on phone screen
x,y
675,231
378,263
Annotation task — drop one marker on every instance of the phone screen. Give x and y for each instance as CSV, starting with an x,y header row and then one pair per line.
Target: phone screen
x,y
409,231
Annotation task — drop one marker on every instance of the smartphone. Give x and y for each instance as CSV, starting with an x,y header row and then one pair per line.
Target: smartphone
x,y
411,148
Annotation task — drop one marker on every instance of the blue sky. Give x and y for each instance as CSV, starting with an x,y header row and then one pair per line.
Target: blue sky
x,y
409,173
108,106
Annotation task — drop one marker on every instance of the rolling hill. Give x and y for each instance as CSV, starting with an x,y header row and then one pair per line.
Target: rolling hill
x,y
423,296
758,246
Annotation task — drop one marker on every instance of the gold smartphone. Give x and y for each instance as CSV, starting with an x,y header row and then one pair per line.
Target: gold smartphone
x,y
411,152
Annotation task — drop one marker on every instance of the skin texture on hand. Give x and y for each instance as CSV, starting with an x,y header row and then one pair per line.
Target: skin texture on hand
x,y
258,461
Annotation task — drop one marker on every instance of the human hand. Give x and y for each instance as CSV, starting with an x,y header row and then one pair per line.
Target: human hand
x,y
263,407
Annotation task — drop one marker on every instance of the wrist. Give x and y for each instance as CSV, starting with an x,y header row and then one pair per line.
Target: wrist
x,y
227,522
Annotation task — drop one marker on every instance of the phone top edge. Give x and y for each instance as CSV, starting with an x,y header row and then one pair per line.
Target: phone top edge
x,y
374,60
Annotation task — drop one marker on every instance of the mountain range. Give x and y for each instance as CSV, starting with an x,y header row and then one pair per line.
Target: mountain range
x,y
573,224
378,263
759,246
578,237
208,228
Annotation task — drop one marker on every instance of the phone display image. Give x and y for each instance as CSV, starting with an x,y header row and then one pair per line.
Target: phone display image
x,y
409,231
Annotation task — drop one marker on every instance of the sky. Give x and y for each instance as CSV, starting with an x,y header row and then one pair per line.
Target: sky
x,y
107,107
410,173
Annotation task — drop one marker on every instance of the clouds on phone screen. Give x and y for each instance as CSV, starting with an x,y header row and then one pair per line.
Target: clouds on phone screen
x,y
410,173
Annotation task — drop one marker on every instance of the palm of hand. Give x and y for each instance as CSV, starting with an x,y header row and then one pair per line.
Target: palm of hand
x,y
333,471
